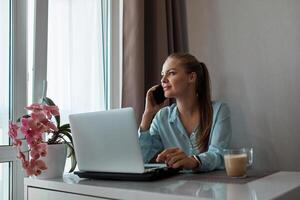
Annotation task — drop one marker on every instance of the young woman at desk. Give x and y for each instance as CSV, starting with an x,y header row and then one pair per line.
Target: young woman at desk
x,y
192,132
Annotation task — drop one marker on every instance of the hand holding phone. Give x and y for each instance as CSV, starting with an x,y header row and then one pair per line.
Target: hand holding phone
x,y
158,95
155,100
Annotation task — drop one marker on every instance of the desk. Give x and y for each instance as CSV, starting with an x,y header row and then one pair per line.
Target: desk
x,y
70,187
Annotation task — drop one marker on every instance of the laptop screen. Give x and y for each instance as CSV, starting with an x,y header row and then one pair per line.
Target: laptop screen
x,y
107,141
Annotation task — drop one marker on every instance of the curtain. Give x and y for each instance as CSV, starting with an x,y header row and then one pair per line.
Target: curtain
x,y
76,60
152,29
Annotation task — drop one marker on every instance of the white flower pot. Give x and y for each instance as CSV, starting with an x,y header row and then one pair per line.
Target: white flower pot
x,y
55,161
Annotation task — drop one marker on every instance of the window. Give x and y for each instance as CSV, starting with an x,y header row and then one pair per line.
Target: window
x,y
30,47
4,180
88,47
81,74
12,92
75,71
4,69
4,97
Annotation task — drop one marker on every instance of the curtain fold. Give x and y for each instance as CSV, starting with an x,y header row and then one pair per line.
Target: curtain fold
x,y
133,55
76,59
152,29
177,26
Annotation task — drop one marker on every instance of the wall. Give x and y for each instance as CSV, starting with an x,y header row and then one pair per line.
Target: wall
x,y
252,49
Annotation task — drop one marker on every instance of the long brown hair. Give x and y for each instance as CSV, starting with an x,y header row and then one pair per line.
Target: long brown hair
x,y
203,91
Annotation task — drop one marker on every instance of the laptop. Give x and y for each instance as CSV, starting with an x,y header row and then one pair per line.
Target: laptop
x,y
106,147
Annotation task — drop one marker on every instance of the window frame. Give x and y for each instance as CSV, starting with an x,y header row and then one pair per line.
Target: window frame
x,y
40,48
18,72
17,91
116,58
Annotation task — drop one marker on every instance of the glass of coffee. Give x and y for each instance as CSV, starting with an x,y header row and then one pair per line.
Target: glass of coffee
x,y
237,161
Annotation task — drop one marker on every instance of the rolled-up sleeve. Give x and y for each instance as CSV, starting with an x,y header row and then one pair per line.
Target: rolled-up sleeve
x,y
150,141
221,135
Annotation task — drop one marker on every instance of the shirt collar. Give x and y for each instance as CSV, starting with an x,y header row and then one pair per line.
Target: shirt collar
x,y
173,114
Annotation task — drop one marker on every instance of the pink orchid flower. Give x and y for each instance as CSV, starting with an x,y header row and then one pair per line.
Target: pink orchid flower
x,y
40,164
41,123
50,126
34,154
25,164
21,156
35,167
51,110
33,127
17,142
13,130
37,122
38,150
35,107
31,141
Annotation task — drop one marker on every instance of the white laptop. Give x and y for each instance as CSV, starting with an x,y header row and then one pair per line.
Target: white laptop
x,y
106,147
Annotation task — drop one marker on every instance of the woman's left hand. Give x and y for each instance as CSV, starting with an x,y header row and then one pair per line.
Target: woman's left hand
x,y
176,158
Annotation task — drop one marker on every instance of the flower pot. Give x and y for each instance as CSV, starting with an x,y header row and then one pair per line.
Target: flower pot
x,y
55,161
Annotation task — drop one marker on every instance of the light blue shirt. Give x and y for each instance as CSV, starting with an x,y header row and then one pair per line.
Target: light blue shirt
x,y
167,131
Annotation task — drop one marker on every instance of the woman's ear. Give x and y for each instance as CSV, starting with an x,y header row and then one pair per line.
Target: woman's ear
x,y
192,77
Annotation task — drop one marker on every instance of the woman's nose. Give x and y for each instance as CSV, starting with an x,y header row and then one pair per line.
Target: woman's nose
x,y
163,79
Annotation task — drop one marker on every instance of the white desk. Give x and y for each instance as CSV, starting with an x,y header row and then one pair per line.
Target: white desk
x,y
73,188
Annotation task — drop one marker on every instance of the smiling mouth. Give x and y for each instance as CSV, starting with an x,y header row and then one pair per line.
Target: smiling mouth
x,y
166,88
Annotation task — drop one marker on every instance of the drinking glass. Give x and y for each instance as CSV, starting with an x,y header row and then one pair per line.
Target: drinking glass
x,y
237,161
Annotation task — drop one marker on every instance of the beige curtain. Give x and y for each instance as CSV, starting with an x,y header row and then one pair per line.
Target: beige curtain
x,y
152,29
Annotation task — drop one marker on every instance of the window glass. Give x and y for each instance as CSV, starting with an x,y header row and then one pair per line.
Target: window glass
x,y
10,186
4,71
4,181
30,47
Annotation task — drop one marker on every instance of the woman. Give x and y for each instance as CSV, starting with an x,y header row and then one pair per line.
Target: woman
x,y
192,132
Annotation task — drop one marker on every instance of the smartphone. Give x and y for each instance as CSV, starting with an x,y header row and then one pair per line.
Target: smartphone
x,y
158,95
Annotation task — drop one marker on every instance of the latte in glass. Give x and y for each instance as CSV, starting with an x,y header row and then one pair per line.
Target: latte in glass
x,y
237,161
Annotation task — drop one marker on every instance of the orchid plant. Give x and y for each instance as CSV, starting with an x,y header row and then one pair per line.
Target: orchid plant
x,y
32,128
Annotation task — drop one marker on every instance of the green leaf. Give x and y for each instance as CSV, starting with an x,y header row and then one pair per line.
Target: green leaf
x,y
48,101
73,162
64,129
61,137
68,130
71,150
57,118
67,134
65,126
71,155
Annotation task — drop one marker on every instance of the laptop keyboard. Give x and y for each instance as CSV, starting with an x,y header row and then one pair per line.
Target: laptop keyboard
x,y
154,167
151,169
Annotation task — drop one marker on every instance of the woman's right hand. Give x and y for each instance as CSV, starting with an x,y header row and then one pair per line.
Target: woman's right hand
x,y
151,108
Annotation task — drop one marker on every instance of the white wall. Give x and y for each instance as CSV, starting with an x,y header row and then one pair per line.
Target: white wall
x,y
252,49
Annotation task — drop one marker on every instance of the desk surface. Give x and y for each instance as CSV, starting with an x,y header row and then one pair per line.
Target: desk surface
x,y
178,187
